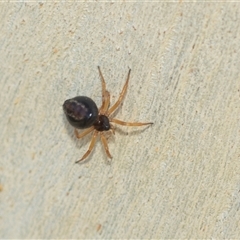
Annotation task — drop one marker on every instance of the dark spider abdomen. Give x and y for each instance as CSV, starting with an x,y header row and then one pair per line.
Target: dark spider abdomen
x,y
102,123
81,112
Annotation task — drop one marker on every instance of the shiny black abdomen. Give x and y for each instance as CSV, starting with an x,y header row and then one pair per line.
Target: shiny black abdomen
x,y
81,111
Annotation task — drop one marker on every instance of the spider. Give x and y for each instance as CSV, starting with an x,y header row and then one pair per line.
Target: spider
x,y
82,113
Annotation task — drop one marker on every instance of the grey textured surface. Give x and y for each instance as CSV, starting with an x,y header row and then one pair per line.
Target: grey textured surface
x,y
179,178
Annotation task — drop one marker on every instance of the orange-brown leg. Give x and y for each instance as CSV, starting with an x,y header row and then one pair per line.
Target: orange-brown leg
x,y
105,94
122,94
129,123
103,81
106,101
93,141
105,145
112,129
84,133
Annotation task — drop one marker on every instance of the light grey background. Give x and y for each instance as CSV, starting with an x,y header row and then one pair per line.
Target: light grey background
x,y
179,178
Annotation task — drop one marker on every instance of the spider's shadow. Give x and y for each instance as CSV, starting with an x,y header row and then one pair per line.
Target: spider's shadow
x,y
129,132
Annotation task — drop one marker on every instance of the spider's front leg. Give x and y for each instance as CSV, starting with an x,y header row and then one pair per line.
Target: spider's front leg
x,y
122,94
105,95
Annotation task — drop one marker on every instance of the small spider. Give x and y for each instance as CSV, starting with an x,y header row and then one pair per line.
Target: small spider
x,y
82,112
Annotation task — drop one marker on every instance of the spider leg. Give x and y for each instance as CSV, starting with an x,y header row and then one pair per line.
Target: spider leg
x,y
103,81
105,145
106,101
122,94
84,133
112,129
129,123
93,141
105,94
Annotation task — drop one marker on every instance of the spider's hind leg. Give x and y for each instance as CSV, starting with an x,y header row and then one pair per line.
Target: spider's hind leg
x,y
84,133
92,144
105,144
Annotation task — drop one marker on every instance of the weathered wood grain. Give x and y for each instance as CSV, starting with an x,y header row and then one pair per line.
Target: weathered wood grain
x,y
179,178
